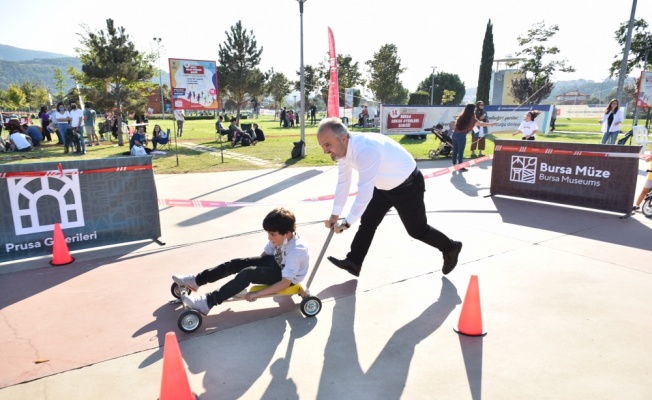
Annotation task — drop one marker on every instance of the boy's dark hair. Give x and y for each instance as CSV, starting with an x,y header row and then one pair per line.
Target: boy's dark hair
x,y
280,220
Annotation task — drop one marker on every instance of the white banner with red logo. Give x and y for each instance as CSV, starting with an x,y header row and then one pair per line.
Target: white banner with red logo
x,y
420,119
194,84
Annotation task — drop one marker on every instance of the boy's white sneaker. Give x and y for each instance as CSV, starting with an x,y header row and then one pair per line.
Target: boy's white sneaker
x,y
197,303
186,280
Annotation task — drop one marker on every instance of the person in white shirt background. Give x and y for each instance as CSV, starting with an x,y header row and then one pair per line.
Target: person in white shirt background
x,y
611,121
77,122
528,127
387,177
62,121
19,141
178,115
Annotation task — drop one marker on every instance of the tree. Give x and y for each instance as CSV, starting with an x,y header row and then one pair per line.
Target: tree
x,y
448,97
444,81
40,97
525,91
384,70
348,76
310,81
278,87
537,72
419,97
641,40
35,94
59,84
15,96
401,97
486,65
238,60
111,59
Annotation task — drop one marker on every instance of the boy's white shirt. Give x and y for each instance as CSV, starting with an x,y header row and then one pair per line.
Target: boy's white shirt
x,y
293,258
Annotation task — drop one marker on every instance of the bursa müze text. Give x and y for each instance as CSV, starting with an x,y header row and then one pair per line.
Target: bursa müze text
x,y
79,237
573,175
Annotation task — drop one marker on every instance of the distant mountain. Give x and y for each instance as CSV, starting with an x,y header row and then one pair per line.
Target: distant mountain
x,y
36,71
10,53
20,65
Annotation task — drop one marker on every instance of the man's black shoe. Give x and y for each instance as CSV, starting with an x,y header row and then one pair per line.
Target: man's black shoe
x,y
450,257
347,265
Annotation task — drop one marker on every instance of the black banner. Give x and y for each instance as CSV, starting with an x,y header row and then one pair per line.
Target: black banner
x,y
96,202
594,176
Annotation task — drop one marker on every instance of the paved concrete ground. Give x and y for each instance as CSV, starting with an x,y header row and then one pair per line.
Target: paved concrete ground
x,y
564,292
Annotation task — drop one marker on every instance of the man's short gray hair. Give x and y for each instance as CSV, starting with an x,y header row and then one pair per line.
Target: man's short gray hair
x,y
334,124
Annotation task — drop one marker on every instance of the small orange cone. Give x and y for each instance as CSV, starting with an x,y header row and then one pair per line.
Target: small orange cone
x,y
60,253
470,323
174,385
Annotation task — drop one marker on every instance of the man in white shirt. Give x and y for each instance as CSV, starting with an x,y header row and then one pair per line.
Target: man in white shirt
x,y
77,123
387,177
178,115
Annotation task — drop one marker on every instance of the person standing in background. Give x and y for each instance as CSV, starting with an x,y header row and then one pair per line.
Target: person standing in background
x,y
179,116
365,116
553,118
54,124
313,114
478,139
77,124
89,124
528,127
62,120
611,122
45,121
464,124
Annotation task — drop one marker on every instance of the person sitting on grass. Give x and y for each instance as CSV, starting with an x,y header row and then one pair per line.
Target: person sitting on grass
x,y
159,137
34,132
259,134
19,141
283,262
138,139
220,129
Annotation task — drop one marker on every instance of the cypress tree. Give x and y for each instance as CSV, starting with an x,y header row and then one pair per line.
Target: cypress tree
x,y
486,63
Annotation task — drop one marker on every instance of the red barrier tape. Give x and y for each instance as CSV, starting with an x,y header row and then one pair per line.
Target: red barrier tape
x,y
538,150
235,204
61,172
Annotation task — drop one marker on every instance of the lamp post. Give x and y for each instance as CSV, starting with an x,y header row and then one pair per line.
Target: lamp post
x,y
432,86
623,63
302,84
160,83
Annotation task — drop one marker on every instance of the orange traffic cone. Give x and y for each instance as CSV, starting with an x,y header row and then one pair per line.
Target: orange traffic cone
x,y
60,253
470,323
174,385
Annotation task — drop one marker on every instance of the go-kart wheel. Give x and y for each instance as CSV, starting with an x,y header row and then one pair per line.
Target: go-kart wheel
x,y
189,321
310,306
176,290
647,207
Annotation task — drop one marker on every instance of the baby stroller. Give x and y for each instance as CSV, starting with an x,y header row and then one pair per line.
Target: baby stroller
x,y
624,139
445,143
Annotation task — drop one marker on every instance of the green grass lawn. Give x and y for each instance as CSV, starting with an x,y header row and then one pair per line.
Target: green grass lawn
x,y
277,146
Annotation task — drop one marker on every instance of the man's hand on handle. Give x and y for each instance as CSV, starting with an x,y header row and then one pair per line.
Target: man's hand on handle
x,y
338,226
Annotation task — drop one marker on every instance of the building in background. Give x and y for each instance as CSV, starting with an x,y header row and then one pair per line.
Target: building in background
x,y
572,98
501,81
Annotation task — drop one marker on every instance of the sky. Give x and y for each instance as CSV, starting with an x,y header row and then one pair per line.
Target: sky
x,y
438,34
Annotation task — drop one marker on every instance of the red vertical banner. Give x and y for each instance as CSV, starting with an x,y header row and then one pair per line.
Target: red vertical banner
x,y
333,86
